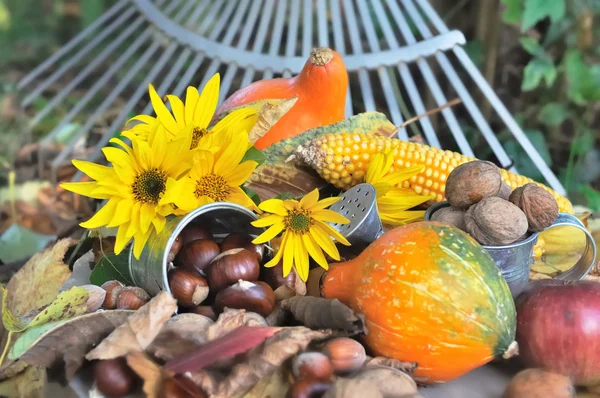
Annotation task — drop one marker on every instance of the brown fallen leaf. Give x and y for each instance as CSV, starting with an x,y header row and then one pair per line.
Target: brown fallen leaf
x,y
28,384
406,367
138,332
321,313
274,386
231,319
180,335
71,340
353,388
267,358
268,115
375,381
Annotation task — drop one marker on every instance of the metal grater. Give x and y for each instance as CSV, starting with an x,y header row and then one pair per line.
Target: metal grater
x,y
359,206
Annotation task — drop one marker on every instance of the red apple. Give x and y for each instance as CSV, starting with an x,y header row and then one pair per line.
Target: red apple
x,y
558,328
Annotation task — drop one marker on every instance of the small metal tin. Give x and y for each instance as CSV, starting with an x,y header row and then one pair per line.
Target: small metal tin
x,y
514,260
221,218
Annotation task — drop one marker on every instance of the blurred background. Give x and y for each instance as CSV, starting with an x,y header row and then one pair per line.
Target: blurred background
x,y
541,57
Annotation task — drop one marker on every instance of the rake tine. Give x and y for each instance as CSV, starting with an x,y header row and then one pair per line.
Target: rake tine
x,y
292,34
338,40
71,44
322,23
307,29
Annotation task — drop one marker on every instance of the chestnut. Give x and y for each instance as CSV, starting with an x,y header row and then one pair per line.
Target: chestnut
x,y
256,297
174,251
132,298
241,240
230,266
196,255
114,378
308,388
188,288
313,365
346,355
112,289
194,232
206,310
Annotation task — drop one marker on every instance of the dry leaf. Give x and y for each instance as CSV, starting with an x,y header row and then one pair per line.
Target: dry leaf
x,y
321,313
353,388
28,384
137,333
374,381
66,341
180,335
231,319
274,386
406,367
268,115
267,358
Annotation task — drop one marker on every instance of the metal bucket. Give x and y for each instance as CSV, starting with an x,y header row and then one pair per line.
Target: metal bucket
x,y
514,260
221,218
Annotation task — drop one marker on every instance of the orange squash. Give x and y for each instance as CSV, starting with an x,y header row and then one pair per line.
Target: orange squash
x,y
321,88
429,294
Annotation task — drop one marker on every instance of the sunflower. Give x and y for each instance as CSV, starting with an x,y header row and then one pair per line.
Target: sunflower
x,y
393,202
214,177
305,231
133,186
192,118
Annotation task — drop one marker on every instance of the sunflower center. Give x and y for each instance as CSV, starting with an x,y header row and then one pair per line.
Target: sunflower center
x,y
213,186
197,134
149,186
298,220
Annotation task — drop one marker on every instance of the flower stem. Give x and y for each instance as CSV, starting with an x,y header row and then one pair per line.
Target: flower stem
x,y
6,347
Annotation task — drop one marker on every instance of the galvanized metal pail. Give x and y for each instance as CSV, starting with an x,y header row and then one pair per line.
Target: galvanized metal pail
x,y
221,218
515,260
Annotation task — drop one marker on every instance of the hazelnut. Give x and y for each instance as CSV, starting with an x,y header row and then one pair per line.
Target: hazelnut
x,y
240,240
174,251
537,383
256,297
96,297
505,191
131,298
194,232
112,290
230,266
495,221
190,289
114,378
451,215
346,355
205,310
196,255
312,365
308,388
470,182
539,206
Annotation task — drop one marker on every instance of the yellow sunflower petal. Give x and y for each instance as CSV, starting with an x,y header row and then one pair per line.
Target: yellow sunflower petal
x,y
146,119
121,238
330,216
93,170
376,168
122,214
324,203
401,175
274,206
241,173
162,113
332,232
310,199
240,119
207,103
238,196
134,224
191,100
102,216
277,257
269,234
324,241
118,157
159,151
288,253
267,221
159,222
124,146
84,188
139,241
178,110
143,154
314,250
146,215
301,259
231,156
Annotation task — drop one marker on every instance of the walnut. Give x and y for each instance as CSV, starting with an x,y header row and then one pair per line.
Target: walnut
x,y
495,221
505,191
470,182
539,206
451,215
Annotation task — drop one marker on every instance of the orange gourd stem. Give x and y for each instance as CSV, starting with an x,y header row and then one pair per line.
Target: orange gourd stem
x,y
321,88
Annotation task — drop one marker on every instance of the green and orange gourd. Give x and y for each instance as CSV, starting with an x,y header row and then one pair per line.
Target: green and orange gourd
x,y
429,294
321,87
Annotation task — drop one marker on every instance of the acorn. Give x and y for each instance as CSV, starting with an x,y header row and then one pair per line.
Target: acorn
x,y
206,310
196,255
346,355
175,248
241,240
230,266
312,365
194,232
132,298
256,297
112,290
190,289
114,378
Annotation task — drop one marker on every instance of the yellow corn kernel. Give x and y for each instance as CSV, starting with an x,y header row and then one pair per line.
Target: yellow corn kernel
x,y
357,150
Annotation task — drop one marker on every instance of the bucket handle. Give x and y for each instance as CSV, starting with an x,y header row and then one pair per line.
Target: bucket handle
x,y
585,263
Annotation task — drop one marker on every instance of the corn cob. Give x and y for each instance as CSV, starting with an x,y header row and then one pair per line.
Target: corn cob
x,y
342,159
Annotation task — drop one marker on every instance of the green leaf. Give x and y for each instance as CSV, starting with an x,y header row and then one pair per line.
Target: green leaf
x,y
536,70
536,10
553,114
592,195
112,267
514,11
583,80
522,161
254,154
253,195
17,243
475,51
29,337
584,142
534,48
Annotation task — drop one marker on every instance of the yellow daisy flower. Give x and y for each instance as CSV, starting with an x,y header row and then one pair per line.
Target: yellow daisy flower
x,y
393,202
133,186
192,118
305,231
214,177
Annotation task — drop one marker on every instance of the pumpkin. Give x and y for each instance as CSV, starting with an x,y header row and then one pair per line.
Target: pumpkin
x,y
321,87
429,294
